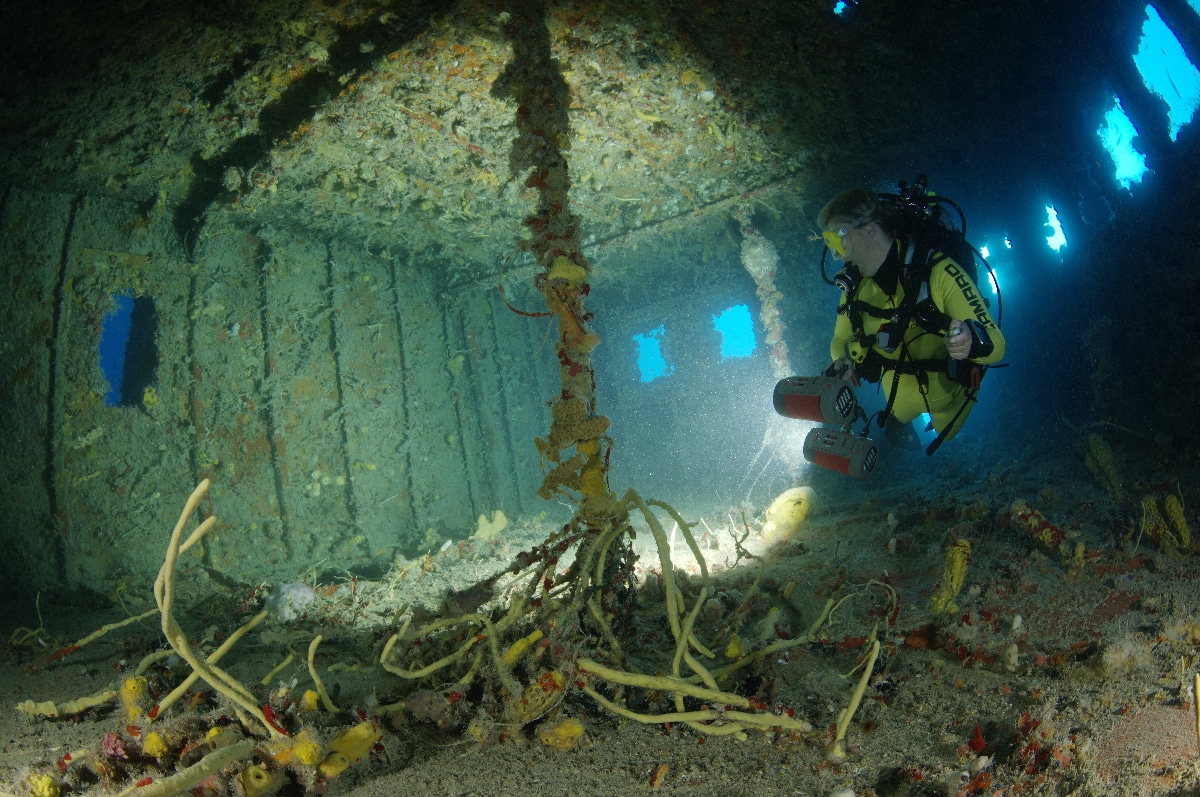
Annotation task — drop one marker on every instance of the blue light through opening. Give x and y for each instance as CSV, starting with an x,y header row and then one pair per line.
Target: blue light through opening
x,y
923,426
1167,71
650,360
114,337
1117,134
989,272
737,332
129,350
1058,240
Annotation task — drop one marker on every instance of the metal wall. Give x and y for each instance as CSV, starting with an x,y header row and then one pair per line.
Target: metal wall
x,y
346,410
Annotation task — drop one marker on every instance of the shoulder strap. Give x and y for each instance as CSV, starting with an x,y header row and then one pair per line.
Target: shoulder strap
x,y
925,311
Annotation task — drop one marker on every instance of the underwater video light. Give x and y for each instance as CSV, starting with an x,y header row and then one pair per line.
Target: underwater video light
x,y
823,399
840,451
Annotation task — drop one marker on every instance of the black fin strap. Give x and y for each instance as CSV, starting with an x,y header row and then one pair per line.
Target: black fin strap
x,y
941,438
887,410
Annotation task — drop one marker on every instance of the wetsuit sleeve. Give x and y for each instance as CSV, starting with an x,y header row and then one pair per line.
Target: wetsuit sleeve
x,y
842,333
957,296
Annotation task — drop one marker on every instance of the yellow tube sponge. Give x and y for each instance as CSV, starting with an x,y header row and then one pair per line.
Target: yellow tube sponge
x,y
562,735
1173,508
954,572
520,646
304,749
258,781
307,749
356,742
591,479
1154,526
786,515
42,785
310,700
134,692
1103,465
735,650
350,746
767,629
154,745
333,765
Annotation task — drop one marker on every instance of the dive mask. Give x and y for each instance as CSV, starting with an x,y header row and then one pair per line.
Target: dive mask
x,y
834,238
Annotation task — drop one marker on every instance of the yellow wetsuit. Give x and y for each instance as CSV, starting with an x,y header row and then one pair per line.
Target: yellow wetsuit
x,y
954,294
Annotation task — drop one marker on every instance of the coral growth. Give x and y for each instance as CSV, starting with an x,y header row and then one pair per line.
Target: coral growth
x,y
562,735
1035,523
534,81
760,259
1154,525
759,256
287,601
571,423
1124,656
1173,508
786,515
1102,464
954,572
112,746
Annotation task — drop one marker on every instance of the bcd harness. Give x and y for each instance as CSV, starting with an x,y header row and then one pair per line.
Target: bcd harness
x,y
916,307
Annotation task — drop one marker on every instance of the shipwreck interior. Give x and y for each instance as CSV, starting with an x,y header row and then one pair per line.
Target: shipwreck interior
x,y
402,279
322,222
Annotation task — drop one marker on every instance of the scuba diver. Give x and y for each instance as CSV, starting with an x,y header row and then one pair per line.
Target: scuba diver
x,y
910,316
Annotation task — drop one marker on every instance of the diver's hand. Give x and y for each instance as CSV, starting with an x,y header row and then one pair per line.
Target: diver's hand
x,y
842,368
958,341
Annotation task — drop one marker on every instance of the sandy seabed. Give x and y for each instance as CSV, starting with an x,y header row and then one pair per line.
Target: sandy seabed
x,y
1097,702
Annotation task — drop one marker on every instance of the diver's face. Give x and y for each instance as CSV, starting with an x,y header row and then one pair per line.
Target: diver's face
x,y
864,245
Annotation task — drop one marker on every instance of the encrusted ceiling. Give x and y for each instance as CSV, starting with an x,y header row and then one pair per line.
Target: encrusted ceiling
x,y
382,123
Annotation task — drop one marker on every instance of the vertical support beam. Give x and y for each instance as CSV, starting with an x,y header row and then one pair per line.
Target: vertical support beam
x,y
305,402
34,229
441,497
229,409
577,442
524,382
378,442
475,392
